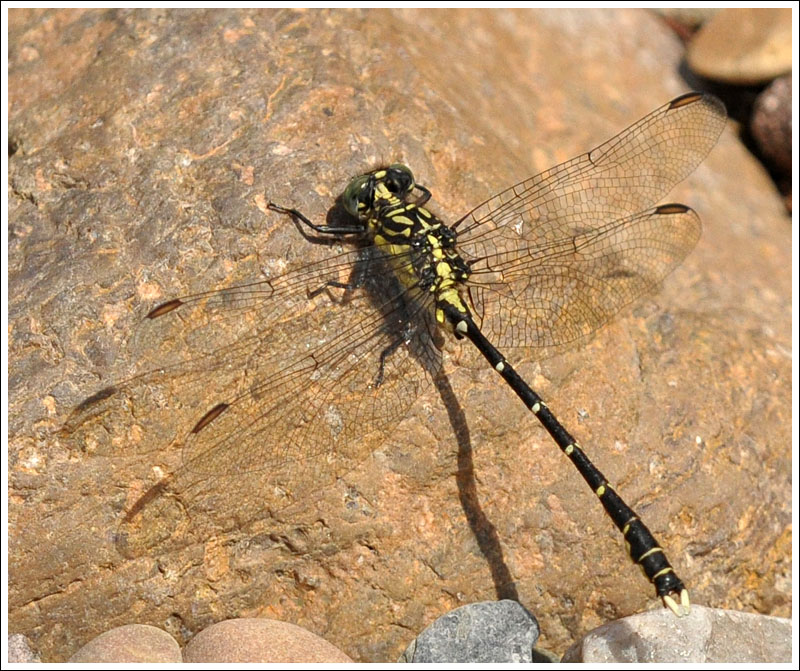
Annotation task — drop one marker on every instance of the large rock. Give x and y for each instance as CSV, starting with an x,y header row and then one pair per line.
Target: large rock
x,y
144,148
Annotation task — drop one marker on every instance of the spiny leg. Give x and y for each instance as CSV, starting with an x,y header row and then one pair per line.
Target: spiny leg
x,y
355,229
385,354
424,198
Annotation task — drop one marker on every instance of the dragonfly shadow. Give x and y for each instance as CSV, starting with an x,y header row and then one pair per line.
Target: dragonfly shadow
x,y
485,533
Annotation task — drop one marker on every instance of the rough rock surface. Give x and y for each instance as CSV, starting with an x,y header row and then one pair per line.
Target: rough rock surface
x,y
708,635
143,147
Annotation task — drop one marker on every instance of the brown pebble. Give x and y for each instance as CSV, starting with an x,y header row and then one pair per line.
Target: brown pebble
x,y
260,640
771,123
131,643
743,46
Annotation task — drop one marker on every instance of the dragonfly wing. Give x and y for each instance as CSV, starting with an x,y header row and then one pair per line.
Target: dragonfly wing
x,y
582,226
311,393
564,291
625,175
263,378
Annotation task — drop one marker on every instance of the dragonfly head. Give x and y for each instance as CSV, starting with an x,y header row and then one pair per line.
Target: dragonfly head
x,y
385,186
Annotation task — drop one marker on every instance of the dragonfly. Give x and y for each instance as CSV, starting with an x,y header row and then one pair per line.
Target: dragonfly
x,y
305,365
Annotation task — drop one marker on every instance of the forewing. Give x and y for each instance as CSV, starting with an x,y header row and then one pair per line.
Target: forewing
x,y
186,348
557,256
623,176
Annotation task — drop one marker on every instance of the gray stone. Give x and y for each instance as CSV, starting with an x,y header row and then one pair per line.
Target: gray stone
x,y
488,632
20,650
706,635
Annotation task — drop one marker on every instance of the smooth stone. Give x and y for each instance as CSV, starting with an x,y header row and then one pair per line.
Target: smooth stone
x,y
705,635
771,123
245,640
131,643
743,46
690,18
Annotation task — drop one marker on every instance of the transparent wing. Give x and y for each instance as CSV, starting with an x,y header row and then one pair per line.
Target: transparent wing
x,y
262,378
314,387
564,291
580,227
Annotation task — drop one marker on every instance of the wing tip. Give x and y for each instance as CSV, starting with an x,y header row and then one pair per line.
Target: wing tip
x,y
164,308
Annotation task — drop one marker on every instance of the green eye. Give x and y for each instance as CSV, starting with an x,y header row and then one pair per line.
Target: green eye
x,y
351,195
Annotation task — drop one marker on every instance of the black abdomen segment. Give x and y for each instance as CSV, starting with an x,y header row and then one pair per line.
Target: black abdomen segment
x,y
642,546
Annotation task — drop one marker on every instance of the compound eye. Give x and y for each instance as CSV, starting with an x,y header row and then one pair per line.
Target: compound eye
x,y
357,193
399,179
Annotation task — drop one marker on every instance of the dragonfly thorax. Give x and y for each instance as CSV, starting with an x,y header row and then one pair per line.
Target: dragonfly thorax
x,y
420,248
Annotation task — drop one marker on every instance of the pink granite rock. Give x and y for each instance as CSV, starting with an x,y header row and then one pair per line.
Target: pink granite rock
x,y
138,643
246,640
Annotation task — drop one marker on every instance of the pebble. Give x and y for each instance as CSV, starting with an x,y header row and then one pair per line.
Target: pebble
x,y
705,635
130,643
771,123
690,18
246,640
486,632
743,46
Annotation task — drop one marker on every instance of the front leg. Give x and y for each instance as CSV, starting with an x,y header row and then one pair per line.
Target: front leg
x,y
297,216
